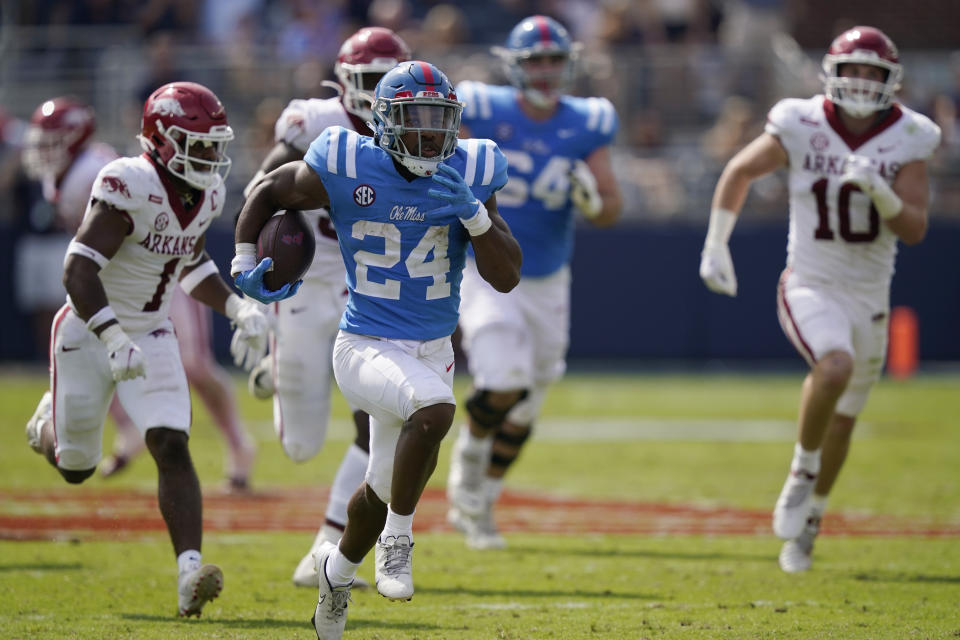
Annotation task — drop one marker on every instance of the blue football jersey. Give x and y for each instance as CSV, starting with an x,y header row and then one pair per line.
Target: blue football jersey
x,y
404,262
536,201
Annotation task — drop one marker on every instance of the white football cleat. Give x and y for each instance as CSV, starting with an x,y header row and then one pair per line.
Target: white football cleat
x,y
306,575
198,587
394,567
467,472
797,554
481,531
260,383
330,616
793,505
42,415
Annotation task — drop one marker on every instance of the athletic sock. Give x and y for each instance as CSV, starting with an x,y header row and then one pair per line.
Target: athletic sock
x,y
349,476
397,525
340,571
807,460
188,561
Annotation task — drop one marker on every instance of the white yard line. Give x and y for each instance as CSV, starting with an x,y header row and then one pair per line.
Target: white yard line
x,y
625,429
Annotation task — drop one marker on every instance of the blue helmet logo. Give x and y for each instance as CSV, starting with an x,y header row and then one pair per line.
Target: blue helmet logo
x,y
416,116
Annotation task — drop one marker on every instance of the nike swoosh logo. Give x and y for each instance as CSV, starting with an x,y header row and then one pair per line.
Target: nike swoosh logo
x,y
885,149
67,349
203,222
450,366
298,309
812,123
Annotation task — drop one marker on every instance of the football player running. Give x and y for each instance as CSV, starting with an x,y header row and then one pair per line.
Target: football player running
x,y
60,152
858,183
405,203
558,149
297,373
142,233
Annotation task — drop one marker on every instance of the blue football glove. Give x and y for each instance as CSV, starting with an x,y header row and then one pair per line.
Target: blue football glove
x,y
455,192
250,282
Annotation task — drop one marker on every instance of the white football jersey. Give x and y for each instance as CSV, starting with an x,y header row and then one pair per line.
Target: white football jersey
x,y
836,235
70,197
140,278
298,125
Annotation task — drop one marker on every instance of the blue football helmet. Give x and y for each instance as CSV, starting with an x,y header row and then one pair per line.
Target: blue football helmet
x,y
539,59
416,116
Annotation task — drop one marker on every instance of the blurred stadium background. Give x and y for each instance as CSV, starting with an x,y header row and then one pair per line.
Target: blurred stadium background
x,y
691,79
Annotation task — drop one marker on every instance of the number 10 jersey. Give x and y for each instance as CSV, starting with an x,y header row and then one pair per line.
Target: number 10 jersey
x,y
836,235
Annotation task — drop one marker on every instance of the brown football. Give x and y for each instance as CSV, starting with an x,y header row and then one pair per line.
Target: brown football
x,y
287,238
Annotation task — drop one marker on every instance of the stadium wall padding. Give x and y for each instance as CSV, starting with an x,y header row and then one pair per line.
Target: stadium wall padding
x,y
637,295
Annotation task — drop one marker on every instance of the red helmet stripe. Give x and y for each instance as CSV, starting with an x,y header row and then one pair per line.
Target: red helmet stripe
x,y
544,29
427,73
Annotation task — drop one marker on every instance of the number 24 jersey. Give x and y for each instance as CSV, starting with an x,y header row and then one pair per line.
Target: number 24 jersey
x,y
404,261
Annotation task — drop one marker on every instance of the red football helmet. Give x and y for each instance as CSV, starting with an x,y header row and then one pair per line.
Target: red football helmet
x,y
861,45
185,129
59,129
363,59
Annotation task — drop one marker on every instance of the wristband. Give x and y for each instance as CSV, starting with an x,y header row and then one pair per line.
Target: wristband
x,y
885,200
105,314
479,222
245,258
80,249
721,226
113,338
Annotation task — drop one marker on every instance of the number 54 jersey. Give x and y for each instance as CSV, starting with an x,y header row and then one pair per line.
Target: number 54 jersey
x,y
404,259
836,234
536,201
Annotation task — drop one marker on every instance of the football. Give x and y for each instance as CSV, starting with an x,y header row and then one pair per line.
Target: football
x,y
287,238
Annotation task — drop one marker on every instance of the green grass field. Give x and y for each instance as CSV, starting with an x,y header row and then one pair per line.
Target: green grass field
x,y
681,440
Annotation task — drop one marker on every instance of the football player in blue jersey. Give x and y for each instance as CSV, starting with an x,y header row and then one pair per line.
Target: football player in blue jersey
x,y
406,204
558,149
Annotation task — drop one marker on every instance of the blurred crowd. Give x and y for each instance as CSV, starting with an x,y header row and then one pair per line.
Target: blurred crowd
x,y
691,79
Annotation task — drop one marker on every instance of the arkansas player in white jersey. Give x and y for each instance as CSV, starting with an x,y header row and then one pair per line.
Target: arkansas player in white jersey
x,y
858,183
298,372
60,153
143,231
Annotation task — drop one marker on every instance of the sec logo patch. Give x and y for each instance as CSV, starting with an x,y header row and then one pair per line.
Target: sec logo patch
x,y
364,195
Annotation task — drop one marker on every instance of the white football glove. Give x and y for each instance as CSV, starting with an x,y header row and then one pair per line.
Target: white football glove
x,y
583,190
126,360
862,172
716,269
716,265
252,324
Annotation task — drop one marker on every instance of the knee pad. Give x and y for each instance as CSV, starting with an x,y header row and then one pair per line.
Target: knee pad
x,y
528,409
483,413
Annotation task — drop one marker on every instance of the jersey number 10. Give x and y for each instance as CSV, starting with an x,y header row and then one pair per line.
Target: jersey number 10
x,y
824,232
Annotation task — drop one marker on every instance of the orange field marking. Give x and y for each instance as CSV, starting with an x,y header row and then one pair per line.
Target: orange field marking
x,y
113,514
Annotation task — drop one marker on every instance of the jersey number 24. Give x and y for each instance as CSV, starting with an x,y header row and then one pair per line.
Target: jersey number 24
x,y
434,241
